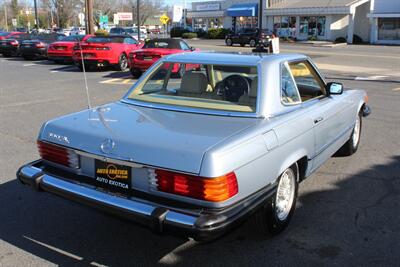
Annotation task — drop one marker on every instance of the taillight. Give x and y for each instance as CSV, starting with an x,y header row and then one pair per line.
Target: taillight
x,y
58,154
209,189
14,43
40,45
103,48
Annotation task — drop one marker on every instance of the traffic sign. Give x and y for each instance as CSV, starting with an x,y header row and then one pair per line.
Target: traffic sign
x,y
104,19
164,19
81,17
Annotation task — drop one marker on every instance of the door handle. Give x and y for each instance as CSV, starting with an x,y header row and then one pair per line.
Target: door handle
x,y
319,119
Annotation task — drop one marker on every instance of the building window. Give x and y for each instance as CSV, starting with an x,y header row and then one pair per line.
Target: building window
x,y
312,26
389,28
285,26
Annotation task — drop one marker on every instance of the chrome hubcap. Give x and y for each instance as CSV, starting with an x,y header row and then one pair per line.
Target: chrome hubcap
x,y
285,194
356,132
124,63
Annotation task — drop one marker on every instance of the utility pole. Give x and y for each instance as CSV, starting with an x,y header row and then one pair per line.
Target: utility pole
x,y
36,16
138,19
89,17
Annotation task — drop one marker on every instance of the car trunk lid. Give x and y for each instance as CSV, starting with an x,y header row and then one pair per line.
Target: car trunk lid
x,y
165,139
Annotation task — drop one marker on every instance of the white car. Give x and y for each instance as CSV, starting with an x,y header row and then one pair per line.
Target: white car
x,y
77,31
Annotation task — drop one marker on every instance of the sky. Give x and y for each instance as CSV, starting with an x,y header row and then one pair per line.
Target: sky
x,y
181,2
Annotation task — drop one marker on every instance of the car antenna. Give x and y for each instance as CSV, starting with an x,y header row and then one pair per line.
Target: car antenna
x,y
85,78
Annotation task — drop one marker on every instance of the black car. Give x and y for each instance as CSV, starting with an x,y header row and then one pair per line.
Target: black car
x,y
36,47
10,47
249,36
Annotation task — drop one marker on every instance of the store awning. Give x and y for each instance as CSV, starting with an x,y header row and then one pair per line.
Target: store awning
x,y
243,10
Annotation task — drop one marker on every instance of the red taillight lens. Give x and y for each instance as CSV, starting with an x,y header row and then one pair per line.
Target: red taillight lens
x,y
14,43
209,189
58,154
103,48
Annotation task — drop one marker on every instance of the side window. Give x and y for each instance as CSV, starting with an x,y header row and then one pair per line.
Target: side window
x,y
130,41
308,82
184,46
289,92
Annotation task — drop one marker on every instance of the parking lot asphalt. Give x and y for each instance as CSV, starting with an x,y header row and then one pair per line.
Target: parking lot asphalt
x,y
347,212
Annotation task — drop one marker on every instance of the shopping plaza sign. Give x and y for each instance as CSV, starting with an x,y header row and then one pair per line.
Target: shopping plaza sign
x,y
124,16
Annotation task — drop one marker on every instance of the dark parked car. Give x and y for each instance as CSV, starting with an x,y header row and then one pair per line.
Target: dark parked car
x,y
36,47
249,36
10,47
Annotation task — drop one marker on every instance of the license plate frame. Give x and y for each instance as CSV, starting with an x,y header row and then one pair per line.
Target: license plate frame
x,y
113,176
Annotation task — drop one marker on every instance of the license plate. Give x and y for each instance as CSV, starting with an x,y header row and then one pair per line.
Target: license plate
x,y
59,48
113,176
148,58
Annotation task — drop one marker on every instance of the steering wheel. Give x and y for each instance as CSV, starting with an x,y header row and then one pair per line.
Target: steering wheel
x,y
233,87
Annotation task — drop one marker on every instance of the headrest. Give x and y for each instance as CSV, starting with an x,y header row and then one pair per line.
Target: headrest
x,y
194,82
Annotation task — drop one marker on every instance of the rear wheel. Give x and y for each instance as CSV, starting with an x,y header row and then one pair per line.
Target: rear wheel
x,y
123,63
275,216
229,42
136,73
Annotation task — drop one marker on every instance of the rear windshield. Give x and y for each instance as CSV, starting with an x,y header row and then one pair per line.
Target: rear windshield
x,y
130,30
105,40
213,87
170,44
73,38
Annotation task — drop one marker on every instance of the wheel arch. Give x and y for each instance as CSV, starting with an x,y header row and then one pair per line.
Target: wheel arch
x,y
300,158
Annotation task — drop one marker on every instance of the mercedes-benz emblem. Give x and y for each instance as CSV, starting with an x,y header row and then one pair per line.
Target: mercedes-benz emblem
x,y
107,145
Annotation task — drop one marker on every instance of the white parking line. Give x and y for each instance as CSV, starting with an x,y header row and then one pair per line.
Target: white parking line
x,y
54,71
29,65
396,89
371,78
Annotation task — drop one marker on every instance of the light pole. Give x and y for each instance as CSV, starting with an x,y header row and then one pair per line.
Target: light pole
x,y
138,19
36,16
5,15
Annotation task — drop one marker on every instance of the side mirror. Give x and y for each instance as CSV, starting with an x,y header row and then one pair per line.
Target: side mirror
x,y
333,88
192,48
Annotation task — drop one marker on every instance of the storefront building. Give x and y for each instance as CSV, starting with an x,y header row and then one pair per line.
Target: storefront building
x,y
233,14
319,19
385,21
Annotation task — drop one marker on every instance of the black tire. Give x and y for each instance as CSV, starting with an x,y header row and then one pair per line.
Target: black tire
x,y
58,61
123,63
242,44
27,57
228,42
136,73
267,219
6,54
253,42
351,146
80,66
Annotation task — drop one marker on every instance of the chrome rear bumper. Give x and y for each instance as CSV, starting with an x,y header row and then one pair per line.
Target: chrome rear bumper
x,y
204,225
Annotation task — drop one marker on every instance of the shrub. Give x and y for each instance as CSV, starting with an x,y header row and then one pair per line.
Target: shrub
x,y
177,32
189,35
217,33
101,33
312,38
357,39
340,40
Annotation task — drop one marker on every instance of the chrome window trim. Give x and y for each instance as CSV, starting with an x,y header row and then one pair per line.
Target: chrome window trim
x,y
125,99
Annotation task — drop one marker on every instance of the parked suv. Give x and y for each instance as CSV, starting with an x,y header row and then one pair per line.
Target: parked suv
x,y
249,36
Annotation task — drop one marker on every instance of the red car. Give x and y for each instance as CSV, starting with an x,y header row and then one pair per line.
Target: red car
x,y
110,50
153,50
8,35
62,51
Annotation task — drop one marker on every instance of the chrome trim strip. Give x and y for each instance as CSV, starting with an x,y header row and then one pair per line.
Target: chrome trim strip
x,y
125,162
114,201
180,218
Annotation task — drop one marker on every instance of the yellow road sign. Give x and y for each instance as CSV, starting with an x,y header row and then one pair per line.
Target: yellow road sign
x,y
164,19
